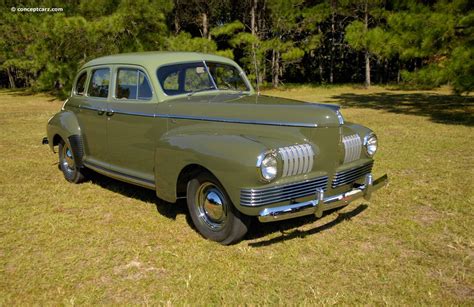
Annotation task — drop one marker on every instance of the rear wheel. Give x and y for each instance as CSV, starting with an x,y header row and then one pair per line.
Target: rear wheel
x,y
212,211
67,164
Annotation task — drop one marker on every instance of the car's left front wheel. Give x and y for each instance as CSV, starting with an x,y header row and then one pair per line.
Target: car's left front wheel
x,y
212,211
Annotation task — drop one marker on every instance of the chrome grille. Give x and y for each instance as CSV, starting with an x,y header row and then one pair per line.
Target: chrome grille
x,y
259,197
351,175
352,146
297,159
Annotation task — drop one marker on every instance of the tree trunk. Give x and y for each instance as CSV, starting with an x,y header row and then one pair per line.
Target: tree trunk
x,y
367,69
177,26
398,72
253,28
333,35
205,26
10,78
275,68
367,55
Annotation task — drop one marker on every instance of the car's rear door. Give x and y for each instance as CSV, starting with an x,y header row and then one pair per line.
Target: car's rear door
x,y
131,126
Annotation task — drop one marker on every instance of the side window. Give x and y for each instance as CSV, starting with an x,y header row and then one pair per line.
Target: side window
x,y
132,84
80,88
184,78
99,85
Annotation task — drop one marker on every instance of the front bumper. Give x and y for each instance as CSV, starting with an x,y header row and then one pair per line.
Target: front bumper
x,y
321,204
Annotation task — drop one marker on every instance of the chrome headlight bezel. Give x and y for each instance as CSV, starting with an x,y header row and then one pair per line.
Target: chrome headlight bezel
x,y
371,144
340,118
267,166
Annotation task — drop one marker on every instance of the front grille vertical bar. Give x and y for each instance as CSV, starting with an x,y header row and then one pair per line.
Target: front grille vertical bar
x,y
294,155
311,159
290,161
301,158
284,158
304,148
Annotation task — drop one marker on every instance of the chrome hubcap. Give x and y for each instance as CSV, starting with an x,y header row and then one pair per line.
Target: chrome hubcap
x,y
68,159
212,209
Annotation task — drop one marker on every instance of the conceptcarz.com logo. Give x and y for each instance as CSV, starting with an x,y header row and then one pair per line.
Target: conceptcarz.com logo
x,y
36,9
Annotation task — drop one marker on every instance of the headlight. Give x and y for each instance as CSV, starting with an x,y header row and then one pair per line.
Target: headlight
x,y
267,165
370,144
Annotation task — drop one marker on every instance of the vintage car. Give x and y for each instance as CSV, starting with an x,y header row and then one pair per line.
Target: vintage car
x,y
190,125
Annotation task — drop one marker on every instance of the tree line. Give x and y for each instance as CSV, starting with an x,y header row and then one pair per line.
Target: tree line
x,y
422,44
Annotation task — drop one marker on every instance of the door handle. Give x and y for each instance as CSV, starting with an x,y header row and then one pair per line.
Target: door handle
x,y
100,112
110,113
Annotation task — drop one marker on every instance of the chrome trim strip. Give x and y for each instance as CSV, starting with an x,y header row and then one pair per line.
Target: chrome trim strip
x,y
265,196
133,113
351,175
88,108
236,121
119,112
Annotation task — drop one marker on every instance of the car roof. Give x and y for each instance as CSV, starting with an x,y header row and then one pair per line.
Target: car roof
x,y
154,59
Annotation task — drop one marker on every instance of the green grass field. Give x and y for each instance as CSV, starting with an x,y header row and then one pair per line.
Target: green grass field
x,y
107,242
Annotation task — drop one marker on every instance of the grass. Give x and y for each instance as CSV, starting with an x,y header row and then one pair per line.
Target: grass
x,y
106,242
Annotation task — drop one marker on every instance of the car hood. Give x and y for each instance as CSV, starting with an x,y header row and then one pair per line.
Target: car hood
x,y
253,109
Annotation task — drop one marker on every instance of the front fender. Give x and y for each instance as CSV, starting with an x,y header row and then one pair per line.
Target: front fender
x,y
64,124
234,166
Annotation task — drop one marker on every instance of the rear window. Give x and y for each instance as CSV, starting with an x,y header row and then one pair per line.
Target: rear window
x,y
100,81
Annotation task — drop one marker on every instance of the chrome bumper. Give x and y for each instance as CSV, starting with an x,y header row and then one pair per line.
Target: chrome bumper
x,y
321,204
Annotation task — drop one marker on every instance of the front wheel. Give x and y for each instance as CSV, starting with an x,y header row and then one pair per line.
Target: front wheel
x,y
212,211
71,171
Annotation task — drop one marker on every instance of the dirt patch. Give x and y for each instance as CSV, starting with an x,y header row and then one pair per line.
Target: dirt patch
x,y
426,215
135,270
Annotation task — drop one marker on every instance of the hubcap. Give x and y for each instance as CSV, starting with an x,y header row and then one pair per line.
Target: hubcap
x,y
212,209
68,159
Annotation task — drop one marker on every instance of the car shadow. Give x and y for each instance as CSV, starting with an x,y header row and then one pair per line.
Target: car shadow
x,y
168,210
444,109
288,231
257,230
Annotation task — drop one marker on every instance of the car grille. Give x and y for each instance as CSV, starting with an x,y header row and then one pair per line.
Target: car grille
x,y
352,147
259,197
351,175
297,159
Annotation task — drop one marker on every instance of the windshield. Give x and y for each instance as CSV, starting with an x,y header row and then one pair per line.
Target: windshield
x,y
200,76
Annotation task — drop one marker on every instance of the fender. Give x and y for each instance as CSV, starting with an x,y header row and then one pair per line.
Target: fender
x,y
65,125
230,155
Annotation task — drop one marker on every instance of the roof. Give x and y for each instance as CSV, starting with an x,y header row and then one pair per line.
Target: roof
x,y
156,58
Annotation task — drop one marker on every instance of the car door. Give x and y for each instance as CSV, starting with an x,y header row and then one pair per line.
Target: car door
x,y
131,126
91,115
